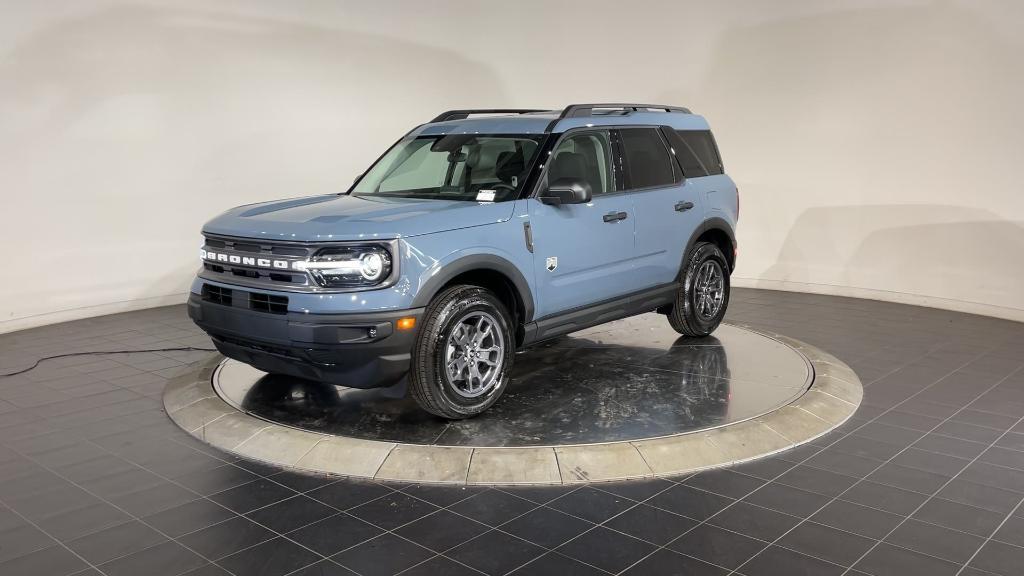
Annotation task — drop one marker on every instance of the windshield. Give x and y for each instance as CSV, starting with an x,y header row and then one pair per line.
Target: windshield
x,y
474,167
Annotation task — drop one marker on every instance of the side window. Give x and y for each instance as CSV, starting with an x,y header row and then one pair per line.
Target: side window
x,y
702,144
647,158
584,157
691,165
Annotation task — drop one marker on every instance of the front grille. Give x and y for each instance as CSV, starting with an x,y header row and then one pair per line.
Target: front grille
x,y
297,279
289,251
216,294
321,357
272,265
257,346
237,268
255,301
268,303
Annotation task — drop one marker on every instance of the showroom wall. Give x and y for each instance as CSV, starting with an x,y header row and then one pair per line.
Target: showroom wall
x,y
875,144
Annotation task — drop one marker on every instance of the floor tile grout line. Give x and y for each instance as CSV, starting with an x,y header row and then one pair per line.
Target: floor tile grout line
x,y
57,418
469,466
798,518
919,430
384,459
536,506
285,534
890,459
558,466
873,507
836,528
912,446
852,432
498,528
908,517
52,537
636,504
132,517
594,526
315,444
557,553
491,528
940,488
990,538
171,480
794,465
545,505
401,491
864,478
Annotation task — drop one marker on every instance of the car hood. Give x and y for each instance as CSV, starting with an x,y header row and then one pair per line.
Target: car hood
x,y
345,217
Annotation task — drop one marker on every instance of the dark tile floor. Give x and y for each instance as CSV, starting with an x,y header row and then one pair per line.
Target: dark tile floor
x,y
927,478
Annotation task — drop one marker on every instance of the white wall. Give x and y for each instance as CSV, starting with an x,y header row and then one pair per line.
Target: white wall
x,y
874,143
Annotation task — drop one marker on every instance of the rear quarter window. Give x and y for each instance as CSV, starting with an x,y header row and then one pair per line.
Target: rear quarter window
x,y
701,145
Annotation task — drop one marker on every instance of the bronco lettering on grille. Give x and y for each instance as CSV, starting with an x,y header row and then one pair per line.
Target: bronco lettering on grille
x,y
248,260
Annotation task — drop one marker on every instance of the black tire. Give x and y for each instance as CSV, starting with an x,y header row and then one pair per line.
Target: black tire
x,y
687,315
429,383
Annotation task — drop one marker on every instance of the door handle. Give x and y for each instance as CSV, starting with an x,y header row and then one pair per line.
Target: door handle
x,y
615,216
683,206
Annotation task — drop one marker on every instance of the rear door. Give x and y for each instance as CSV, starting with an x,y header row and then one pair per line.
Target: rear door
x,y
698,154
667,205
583,253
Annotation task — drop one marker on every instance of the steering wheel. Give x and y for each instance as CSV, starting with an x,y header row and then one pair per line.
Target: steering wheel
x,y
504,186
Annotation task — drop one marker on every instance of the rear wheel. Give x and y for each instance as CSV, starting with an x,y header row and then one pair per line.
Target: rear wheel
x,y
703,294
463,353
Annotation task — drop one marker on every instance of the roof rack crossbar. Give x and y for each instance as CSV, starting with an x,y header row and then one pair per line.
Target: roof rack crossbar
x,y
577,110
463,114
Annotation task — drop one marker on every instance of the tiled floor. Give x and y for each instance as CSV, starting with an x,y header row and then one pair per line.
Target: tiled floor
x,y
927,478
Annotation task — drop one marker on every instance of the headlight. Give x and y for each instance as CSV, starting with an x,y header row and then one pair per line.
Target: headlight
x,y
349,266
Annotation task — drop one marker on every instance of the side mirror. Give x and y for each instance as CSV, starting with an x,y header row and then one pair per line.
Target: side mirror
x,y
566,191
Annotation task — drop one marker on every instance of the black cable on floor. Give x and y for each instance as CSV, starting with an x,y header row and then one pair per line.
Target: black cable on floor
x,y
98,353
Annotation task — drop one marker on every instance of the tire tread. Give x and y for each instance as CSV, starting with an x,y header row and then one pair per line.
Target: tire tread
x,y
422,373
681,317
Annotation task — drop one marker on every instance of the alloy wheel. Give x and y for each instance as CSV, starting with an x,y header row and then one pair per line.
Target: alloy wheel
x,y
474,355
709,288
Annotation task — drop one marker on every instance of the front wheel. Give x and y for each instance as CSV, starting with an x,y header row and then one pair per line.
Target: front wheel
x,y
703,293
463,354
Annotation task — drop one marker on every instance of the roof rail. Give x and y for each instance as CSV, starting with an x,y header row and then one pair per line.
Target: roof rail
x,y
463,114
577,110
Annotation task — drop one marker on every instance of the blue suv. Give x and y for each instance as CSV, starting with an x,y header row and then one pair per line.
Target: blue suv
x,y
476,235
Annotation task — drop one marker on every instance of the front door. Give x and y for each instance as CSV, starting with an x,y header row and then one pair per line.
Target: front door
x,y
583,253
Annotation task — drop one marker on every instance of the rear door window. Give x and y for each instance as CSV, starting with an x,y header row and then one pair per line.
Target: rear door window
x,y
647,159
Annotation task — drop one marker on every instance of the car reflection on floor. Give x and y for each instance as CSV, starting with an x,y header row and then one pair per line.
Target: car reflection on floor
x,y
578,389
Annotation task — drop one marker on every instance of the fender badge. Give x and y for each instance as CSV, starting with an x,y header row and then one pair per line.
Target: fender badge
x,y
552,263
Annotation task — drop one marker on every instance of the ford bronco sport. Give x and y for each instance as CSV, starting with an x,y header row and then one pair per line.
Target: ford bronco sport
x,y
476,235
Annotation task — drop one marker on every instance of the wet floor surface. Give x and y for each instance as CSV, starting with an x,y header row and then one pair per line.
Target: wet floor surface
x,y
926,478
586,388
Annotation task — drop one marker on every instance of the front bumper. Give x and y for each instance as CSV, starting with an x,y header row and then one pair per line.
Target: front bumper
x,y
358,350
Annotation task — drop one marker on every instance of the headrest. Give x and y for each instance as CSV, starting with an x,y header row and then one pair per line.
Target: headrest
x,y
569,165
510,165
473,156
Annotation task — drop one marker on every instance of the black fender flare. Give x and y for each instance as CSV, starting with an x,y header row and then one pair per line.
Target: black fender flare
x,y
473,262
713,223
